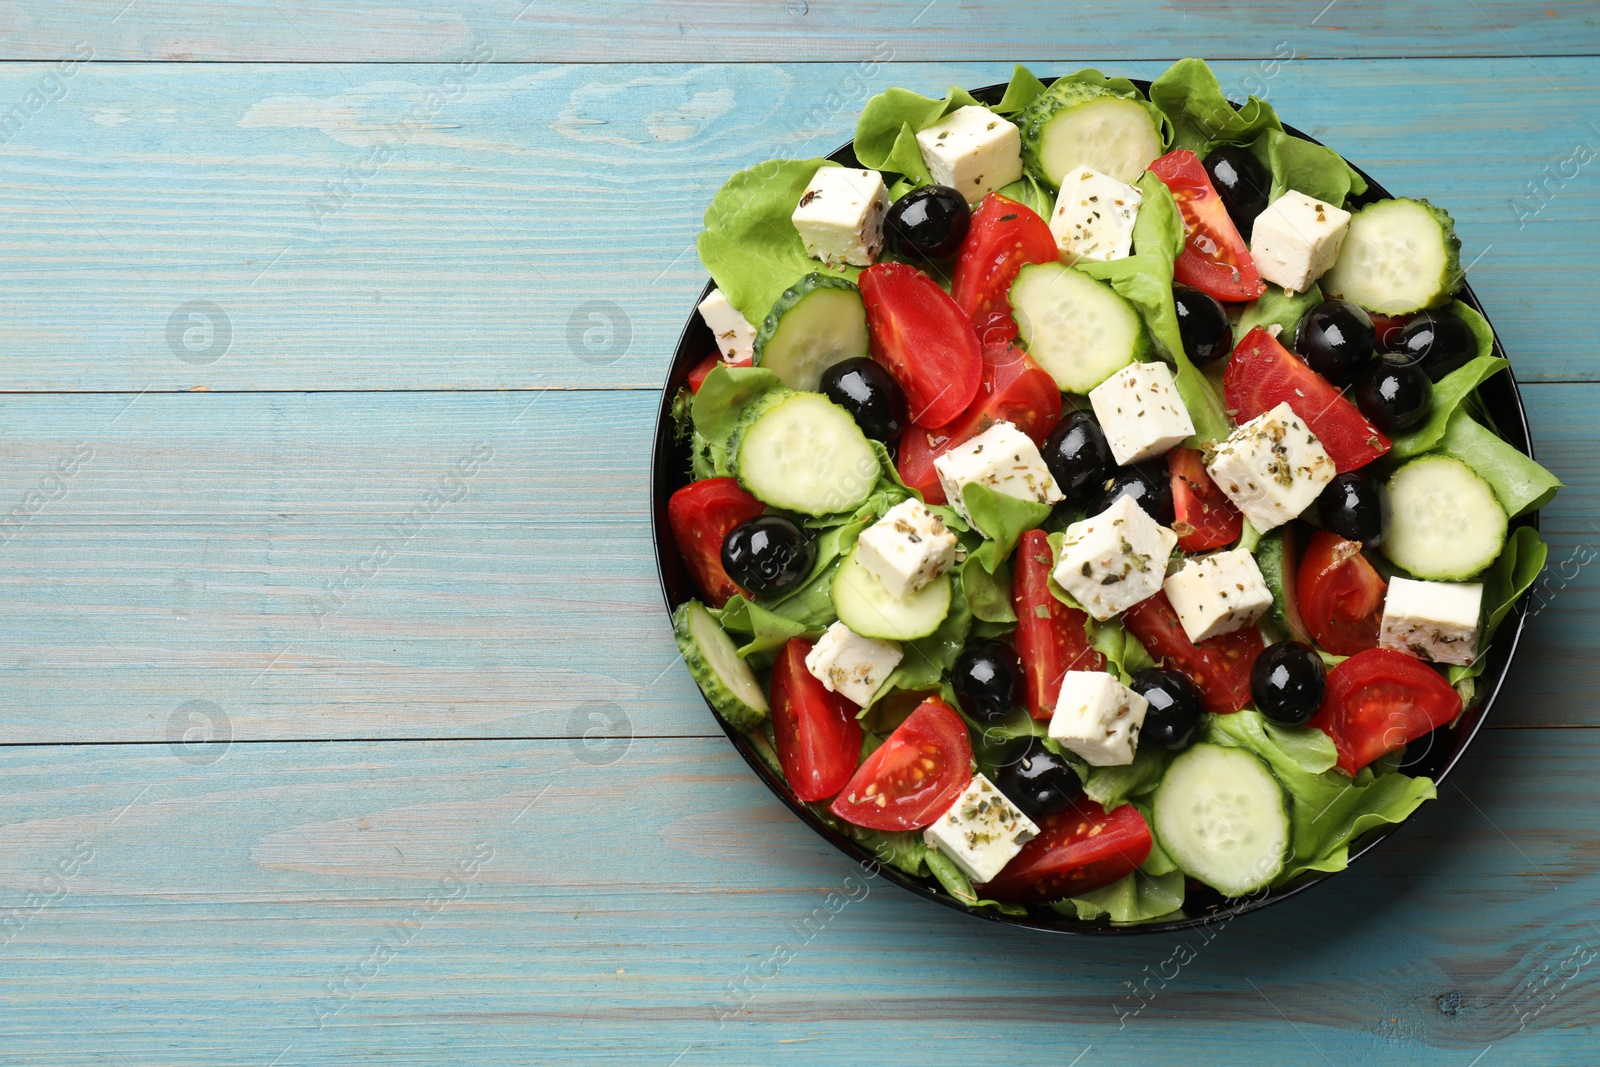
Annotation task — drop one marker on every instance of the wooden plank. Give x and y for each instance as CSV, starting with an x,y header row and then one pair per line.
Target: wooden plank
x,y
534,226
489,903
588,31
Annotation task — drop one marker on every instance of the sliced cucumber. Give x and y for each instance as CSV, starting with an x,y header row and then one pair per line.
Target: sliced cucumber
x,y
870,610
802,452
1073,125
1445,523
726,680
1399,256
1277,557
1223,818
817,322
1081,331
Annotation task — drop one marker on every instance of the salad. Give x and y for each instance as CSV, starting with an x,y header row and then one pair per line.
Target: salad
x,y
1090,499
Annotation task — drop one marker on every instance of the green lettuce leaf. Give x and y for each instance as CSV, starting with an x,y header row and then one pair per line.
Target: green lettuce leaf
x,y
725,395
1123,652
1136,897
1448,393
1511,575
1023,89
927,659
886,133
1188,93
1031,194
1002,519
1520,484
1278,307
988,595
1313,169
1112,787
958,885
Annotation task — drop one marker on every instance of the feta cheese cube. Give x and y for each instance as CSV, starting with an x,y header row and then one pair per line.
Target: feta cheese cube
x,y
1272,468
851,665
1111,561
1218,594
840,216
1435,621
1296,239
1094,216
982,831
1003,458
1098,717
973,151
906,549
735,336
1141,413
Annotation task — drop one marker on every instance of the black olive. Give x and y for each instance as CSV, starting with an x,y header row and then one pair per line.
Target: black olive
x,y
1439,341
1148,483
1337,340
1395,395
768,554
1176,705
1287,682
1038,781
1203,325
927,223
1077,454
1242,184
1351,507
870,394
987,678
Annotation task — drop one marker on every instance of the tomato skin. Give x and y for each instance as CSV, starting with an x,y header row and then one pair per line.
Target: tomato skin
x,y
896,788
1210,517
1220,666
697,376
700,515
1081,848
1340,595
1262,374
816,732
1215,259
924,339
1004,237
1378,701
1051,646
1386,328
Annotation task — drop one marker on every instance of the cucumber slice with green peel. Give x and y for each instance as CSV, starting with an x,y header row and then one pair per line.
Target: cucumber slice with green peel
x,y
1399,256
1278,558
1073,125
1223,819
727,681
1445,523
1081,331
817,322
864,605
802,452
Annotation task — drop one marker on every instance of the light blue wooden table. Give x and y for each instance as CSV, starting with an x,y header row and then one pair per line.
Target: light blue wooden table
x,y
341,721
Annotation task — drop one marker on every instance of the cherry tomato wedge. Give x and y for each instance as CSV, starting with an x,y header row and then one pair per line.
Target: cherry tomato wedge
x,y
1081,848
1340,595
924,339
1004,237
1386,328
697,376
1214,259
1262,374
700,515
1206,519
1051,638
816,731
1220,666
1378,701
914,776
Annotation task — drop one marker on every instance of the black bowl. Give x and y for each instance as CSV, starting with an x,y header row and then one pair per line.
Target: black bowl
x,y
1434,755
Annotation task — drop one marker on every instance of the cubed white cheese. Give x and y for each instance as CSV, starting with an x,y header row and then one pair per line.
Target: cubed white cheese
x,y
1111,561
1218,594
1296,239
982,831
906,549
1098,717
1094,216
1272,468
1436,621
735,336
1003,458
840,216
973,151
1141,413
851,665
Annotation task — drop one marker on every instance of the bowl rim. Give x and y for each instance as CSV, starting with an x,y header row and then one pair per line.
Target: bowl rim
x,y
665,453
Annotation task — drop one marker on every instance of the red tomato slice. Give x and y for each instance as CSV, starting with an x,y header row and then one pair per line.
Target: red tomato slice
x,y
1215,258
924,339
914,776
1206,519
1079,849
1051,641
1378,701
1262,374
701,514
1004,237
697,376
1387,328
1340,595
1220,666
816,732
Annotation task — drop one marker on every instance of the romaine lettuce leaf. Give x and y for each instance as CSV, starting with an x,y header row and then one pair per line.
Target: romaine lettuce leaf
x,y
1520,484
1136,897
1201,116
